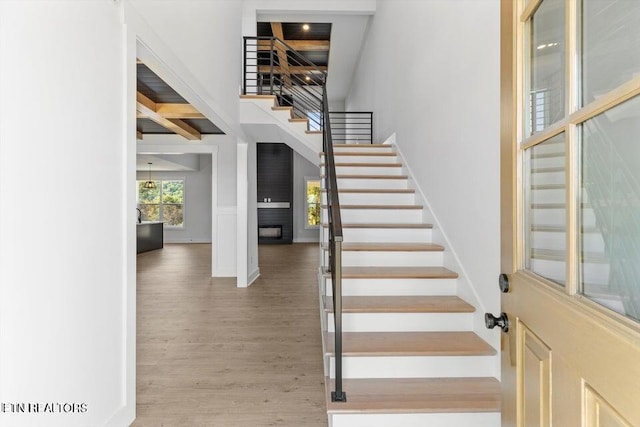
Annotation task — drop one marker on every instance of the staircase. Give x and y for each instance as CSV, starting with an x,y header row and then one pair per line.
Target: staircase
x,y
397,339
410,357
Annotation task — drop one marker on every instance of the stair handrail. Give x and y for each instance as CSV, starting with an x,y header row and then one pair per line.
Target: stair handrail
x,y
306,100
335,244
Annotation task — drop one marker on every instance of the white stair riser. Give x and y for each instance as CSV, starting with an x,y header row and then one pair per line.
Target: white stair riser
x,y
359,216
374,198
596,273
559,217
399,322
592,242
549,162
459,419
363,148
552,196
355,287
392,258
364,159
401,235
365,170
344,183
548,196
415,366
541,178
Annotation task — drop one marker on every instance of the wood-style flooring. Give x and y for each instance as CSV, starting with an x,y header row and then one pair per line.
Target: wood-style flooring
x,y
210,354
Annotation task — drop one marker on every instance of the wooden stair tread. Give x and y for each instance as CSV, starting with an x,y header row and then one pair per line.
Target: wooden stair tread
x,y
400,304
368,165
380,344
249,96
362,145
368,153
383,225
416,395
409,207
298,119
374,190
351,176
281,108
390,247
393,272
313,132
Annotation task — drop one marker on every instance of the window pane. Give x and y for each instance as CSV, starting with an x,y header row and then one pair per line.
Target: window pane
x,y
150,212
610,209
610,45
148,195
547,66
546,231
172,215
313,203
173,191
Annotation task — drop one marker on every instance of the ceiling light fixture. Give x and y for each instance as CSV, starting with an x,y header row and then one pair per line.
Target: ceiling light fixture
x,y
308,78
306,27
149,184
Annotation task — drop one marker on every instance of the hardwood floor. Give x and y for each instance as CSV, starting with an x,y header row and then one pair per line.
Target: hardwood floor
x,y
210,354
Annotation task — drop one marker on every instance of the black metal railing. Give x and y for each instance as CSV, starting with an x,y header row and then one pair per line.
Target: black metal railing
x,y
352,127
271,67
335,245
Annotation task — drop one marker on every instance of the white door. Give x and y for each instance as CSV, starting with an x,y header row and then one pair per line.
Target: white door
x,y
571,212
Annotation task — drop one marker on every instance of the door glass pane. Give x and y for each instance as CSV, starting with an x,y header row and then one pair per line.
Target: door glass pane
x,y
610,208
547,66
610,50
545,219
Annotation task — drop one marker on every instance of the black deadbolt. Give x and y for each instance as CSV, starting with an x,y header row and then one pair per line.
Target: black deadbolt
x,y
503,282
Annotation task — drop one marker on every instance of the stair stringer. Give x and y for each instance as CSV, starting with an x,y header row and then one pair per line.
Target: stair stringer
x,y
465,288
262,123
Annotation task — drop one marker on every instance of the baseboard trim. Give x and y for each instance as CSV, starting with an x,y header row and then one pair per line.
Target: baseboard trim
x,y
253,276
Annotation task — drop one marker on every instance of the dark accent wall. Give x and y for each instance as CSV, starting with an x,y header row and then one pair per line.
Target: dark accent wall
x,y
275,182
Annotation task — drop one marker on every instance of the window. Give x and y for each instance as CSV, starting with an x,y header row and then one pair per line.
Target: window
x,y
312,192
163,203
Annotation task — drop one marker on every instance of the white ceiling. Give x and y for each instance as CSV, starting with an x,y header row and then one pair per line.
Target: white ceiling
x,y
347,40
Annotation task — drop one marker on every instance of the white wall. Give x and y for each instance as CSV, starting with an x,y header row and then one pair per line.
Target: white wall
x,y
67,244
302,168
430,72
197,197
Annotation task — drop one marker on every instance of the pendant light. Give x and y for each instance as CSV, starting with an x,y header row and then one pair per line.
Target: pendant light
x,y
149,184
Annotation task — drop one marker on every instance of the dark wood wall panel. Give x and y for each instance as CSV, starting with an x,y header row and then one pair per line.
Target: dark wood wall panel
x,y
275,182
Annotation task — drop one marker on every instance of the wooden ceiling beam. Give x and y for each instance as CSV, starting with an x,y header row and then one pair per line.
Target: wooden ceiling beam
x,y
276,29
176,111
299,45
149,109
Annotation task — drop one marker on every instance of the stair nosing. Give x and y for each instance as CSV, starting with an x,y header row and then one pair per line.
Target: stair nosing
x,y
398,207
390,344
416,395
391,304
389,247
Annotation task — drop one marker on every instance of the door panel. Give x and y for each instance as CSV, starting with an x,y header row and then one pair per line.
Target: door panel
x,y
568,359
534,378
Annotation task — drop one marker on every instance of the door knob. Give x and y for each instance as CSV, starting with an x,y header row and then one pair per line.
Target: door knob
x,y
492,321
